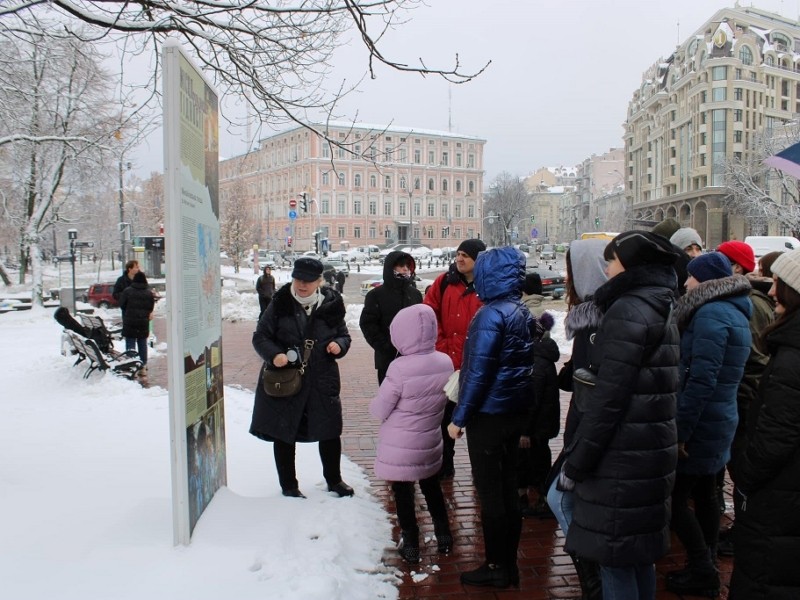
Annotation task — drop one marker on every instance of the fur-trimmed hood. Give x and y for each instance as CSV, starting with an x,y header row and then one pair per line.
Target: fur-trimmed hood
x,y
709,291
586,315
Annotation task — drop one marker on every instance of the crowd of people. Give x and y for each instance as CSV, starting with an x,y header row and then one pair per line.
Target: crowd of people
x,y
682,367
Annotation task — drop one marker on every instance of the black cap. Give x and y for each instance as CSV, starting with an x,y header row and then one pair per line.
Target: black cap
x,y
472,248
307,269
635,248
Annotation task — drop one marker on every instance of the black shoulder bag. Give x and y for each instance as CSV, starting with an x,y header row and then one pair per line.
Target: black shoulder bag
x,y
287,381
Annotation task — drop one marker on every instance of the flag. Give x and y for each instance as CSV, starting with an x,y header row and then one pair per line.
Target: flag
x,y
787,160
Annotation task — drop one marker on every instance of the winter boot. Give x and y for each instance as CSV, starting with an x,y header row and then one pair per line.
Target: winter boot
x,y
589,576
444,538
701,578
409,546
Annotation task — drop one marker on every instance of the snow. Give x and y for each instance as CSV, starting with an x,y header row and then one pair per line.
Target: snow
x,y
85,490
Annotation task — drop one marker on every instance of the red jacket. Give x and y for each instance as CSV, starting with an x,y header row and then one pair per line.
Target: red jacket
x,y
454,310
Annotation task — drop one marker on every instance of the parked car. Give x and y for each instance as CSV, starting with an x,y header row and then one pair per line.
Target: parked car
x,y
337,265
553,282
421,284
548,252
355,255
99,295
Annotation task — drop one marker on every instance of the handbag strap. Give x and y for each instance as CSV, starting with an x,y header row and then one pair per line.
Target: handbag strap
x,y
308,345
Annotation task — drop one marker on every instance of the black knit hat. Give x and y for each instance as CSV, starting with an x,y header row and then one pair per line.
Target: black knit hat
x,y
636,248
533,284
140,278
471,247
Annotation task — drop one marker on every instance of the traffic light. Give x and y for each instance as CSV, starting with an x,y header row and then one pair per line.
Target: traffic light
x,y
304,202
533,219
597,221
288,241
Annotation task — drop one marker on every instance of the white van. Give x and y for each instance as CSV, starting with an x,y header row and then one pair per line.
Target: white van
x,y
371,251
764,244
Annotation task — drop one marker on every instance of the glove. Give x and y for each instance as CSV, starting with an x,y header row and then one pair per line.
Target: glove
x,y
565,484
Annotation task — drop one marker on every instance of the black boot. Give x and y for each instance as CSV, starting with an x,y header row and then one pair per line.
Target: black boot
x,y
487,575
409,546
444,538
589,576
700,578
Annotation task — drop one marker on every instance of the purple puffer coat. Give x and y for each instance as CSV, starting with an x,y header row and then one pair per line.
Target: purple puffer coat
x,y
410,402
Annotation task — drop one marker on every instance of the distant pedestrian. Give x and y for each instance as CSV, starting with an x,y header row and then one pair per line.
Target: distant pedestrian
x,y
137,303
265,288
341,278
382,303
124,280
410,404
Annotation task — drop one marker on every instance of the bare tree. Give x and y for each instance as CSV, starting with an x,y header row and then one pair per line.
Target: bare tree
x,y
54,101
237,226
275,55
509,201
762,194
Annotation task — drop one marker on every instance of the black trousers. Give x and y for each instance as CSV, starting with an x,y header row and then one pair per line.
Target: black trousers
x,y
330,452
405,502
534,466
449,451
698,529
493,444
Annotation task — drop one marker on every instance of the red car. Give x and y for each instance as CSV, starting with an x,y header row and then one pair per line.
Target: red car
x,y
99,295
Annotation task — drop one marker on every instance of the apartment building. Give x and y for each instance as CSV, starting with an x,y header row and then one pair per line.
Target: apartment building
x,y
725,87
383,184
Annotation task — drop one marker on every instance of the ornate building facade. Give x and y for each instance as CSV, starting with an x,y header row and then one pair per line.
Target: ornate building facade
x,y
385,185
734,80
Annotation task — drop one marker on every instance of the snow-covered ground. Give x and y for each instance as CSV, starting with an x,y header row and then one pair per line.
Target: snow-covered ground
x,y
85,508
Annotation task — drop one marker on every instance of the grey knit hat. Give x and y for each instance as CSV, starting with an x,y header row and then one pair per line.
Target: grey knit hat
x,y
685,237
787,267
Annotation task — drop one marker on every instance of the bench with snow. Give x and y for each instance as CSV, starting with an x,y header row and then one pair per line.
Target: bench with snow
x,y
126,364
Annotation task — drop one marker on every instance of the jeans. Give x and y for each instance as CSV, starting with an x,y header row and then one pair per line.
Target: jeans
x,y
132,343
562,504
493,444
629,583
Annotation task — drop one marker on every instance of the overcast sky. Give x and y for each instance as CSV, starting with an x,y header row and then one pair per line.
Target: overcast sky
x,y
557,90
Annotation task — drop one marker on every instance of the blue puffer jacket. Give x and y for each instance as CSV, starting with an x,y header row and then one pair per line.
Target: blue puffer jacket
x,y
715,343
497,364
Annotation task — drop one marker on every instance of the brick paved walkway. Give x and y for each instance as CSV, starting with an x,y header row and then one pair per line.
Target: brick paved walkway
x,y
546,572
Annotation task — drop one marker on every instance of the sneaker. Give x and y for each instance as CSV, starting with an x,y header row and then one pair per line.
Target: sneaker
x,y
293,493
341,489
487,575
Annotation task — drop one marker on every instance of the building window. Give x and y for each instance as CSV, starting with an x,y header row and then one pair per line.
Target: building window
x,y
402,212
326,150
373,207
373,233
737,115
416,183
471,161
738,93
341,179
357,206
402,182
325,207
340,206
417,209
387,182
444,211
417,156
457,210
445,159
387,209
431,209
737,137
342,231
357,180
325,179
373,181
444,185
431,157
357,231
458,159
430,184
471,211
429,233
341,152
746,55
719,94
458,186
471,187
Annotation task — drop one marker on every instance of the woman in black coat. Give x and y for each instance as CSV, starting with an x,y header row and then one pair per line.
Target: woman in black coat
x,y
384,302
137,302
767,535
301,310
621,461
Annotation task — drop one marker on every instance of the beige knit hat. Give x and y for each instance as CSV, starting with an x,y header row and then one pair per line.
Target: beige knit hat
x,y
787,267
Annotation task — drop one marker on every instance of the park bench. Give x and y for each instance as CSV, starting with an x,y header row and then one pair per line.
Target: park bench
x,y
125,364
97,330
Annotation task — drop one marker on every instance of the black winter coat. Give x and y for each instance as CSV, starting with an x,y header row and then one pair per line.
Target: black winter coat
x,y
624,452
545,420
136,302
767,534
315,412
381,305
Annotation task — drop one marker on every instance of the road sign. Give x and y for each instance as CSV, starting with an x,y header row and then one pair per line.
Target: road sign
x,y
292,202
292,214
534,233
84,244
533,219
